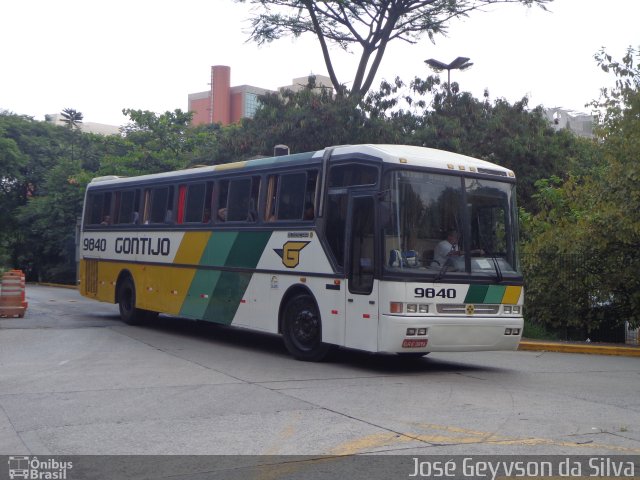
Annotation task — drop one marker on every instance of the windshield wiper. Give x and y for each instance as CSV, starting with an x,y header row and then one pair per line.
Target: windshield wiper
x,y
496,266
443,270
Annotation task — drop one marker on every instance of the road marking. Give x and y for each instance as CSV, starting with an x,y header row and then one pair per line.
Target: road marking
x,y
458,435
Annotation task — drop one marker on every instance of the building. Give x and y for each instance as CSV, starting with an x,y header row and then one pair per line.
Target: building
x,y
225,104
579,123
86,127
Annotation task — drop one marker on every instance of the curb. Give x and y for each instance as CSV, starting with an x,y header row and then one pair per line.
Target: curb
x,y
621,351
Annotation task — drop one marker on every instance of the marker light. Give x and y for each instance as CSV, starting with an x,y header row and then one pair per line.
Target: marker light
x,y
412,308
422,331
507,331
507,309
395,307
411,331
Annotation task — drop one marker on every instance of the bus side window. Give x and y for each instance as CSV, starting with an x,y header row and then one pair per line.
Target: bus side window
x,y
310,195
99,211
243,199
336,224
128,210
352,175
272,190
194,205
160,207
223,193
291,196
208,203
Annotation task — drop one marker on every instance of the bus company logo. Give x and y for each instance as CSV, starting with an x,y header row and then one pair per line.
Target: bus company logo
x,y
471,309
32,468
290,253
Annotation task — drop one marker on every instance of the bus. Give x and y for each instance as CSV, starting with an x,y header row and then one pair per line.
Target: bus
x,y
382,248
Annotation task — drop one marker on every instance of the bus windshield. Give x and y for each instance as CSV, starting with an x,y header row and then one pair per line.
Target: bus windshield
x,y
444,224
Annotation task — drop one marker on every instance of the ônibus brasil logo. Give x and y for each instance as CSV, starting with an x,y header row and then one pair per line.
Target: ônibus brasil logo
x,y
26,467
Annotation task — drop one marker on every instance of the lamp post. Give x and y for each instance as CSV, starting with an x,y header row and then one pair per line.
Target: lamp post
x,y
460,63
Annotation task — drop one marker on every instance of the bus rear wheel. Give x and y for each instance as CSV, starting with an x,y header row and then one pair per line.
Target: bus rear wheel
x,y
302,329
127,303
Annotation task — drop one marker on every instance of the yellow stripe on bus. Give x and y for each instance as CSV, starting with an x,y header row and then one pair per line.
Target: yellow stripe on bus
x,y
230,166
191,248
512,295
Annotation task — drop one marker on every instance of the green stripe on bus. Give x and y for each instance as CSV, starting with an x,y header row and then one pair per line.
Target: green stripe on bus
x,y
476,293
495,294
217,250
247,249
237,250
226,297
201,290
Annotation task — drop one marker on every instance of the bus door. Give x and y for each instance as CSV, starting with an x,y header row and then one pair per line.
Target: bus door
x,y
362,289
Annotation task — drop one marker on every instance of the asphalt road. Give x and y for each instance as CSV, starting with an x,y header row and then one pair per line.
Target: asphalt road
x,y
75,380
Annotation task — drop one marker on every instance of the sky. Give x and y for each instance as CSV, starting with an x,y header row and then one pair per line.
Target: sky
x,y
99,56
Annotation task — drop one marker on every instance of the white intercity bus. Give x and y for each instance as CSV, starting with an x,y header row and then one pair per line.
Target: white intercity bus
x,y
383,248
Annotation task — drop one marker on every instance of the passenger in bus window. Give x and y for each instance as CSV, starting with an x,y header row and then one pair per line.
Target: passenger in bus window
x,y
309,212
136,218
206,217
106,220
222,214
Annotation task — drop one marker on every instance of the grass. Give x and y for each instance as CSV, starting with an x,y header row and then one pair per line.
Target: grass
x,y
537,332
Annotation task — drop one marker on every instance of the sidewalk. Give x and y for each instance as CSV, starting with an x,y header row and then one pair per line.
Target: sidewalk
x,y
580,347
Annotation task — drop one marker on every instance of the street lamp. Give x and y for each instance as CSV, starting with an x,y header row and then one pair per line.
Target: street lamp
x,y
460,63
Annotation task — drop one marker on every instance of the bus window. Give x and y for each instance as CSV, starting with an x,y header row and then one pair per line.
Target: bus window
x,y
272,189
335,228
161,205
99,211
310,195
352,175
223,193
194,206
238,199
127,212
291,196
362,246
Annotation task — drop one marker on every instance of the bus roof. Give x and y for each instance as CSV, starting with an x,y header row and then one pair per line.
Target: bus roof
x,y
398,154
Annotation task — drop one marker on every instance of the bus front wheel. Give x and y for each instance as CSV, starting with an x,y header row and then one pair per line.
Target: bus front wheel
x,y
127,303
302,329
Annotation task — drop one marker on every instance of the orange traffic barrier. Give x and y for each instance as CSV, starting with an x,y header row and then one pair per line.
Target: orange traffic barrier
x,y
12,294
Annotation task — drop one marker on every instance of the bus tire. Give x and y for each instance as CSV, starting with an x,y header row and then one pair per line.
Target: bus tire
x,y
127,303
302,329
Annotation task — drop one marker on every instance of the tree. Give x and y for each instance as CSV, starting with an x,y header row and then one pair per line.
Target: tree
x,y
368,25
511,135
594,216
72,118
153,143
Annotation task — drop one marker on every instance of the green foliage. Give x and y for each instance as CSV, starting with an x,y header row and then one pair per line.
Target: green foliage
x,y
152,143
45,242
593,215
43,172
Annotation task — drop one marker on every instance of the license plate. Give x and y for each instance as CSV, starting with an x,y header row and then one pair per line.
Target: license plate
x,y
414,343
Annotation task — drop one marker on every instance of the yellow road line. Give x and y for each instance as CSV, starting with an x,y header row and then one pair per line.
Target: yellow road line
x,y
388,439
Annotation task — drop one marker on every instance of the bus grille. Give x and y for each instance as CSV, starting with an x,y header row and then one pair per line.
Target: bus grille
x,y
91,276
461,309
